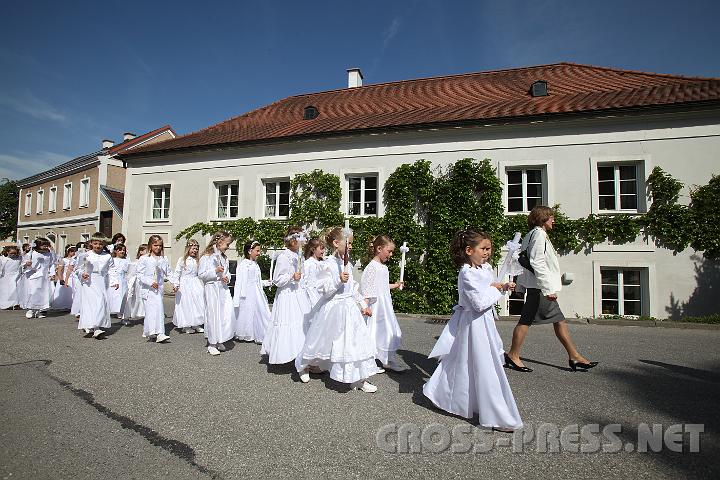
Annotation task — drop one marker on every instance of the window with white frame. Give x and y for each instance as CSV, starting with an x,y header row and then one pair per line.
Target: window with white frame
x,y
618,187
227,199
62,244
84,192
28,204
622,291
52,199
277,198
84,237
160,202
40,201
524,189
67,196
362,195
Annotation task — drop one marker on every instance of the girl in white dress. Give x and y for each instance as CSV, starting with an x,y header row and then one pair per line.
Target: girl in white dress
x,y
39,272
152,270
375,288
132,306
314,256
97,275
470,378
121,265
63,293
252,313
72,276
338,339
215,275
10,271
22,281
285,335
189,291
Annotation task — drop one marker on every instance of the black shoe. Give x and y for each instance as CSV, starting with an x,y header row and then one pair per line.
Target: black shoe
x,y
574,365
511,365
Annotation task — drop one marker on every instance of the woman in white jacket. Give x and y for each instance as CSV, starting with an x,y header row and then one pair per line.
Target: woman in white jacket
x,y
543,284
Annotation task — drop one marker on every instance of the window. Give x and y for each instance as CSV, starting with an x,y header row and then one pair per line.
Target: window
x,y
26,239
28,204
52,200
362,195
227,200
617,187
622,291
62,245
160,202
67,196
524,189
40,201
84,192
84,237
277,199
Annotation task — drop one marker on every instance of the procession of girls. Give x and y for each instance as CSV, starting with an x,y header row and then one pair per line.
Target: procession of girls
x,y
322,320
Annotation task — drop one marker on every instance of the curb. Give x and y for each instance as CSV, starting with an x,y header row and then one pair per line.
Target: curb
x,y
584,321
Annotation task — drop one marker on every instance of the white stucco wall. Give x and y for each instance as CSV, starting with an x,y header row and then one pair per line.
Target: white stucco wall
x,y
685,145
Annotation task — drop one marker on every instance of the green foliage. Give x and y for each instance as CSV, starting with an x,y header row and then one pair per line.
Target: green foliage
x,y
9,197
669,223
714,319
315,200
704,209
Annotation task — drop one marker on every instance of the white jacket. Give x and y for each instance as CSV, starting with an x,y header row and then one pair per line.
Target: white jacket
x,y
544,261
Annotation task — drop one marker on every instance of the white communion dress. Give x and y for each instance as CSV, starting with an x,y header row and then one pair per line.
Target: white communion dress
x,y
252,313
383,325
190,297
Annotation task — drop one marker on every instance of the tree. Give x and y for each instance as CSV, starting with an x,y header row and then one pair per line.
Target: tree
x,y
9,194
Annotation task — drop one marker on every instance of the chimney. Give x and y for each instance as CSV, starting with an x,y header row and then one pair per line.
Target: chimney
x,y
107,144
355,77
128,136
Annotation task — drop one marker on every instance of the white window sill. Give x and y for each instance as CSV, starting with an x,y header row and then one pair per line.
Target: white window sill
x,y
370,215
619,212
83,206
158,220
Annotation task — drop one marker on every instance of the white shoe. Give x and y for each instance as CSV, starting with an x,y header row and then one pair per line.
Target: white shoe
x,y
40,315
86,330
29,314
368,387
97,333
161,338
220,347
189,330
394,367
213,351
305,377
380,370
199,329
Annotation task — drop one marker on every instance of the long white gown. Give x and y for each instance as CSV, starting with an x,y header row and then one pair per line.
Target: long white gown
x,y
77,265
152,269
37,284
383,324
338,339
252,313
311,266
115,296
10,270
285,335
218,302
470,378
94,311
190,297
22,281
133,305
62,298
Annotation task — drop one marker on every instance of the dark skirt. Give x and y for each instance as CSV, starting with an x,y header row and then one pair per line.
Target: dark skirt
x,y
539,310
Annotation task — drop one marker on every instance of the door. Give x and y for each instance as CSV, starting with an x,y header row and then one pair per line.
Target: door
x,y
106,223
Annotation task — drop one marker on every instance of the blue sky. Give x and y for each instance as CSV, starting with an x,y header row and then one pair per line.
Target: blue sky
x,y
76,72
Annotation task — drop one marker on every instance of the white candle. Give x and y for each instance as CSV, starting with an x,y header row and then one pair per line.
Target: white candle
x,y
272,264
403,250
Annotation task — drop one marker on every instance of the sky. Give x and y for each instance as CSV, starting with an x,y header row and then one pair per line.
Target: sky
x,y
73,73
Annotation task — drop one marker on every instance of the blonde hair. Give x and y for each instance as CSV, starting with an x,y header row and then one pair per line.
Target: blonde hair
x,y
217,236
190,243
378,242
153,239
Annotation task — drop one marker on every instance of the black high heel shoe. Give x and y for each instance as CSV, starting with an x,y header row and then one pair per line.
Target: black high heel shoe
x,y
574,365
512,366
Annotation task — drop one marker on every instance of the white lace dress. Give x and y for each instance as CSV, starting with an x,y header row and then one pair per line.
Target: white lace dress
x,y
383,325
190,297
252,313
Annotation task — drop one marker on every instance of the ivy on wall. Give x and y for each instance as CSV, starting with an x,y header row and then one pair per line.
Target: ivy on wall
x,y
426,206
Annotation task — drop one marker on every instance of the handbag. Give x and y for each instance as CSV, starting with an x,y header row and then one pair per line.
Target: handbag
x,y
524,260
